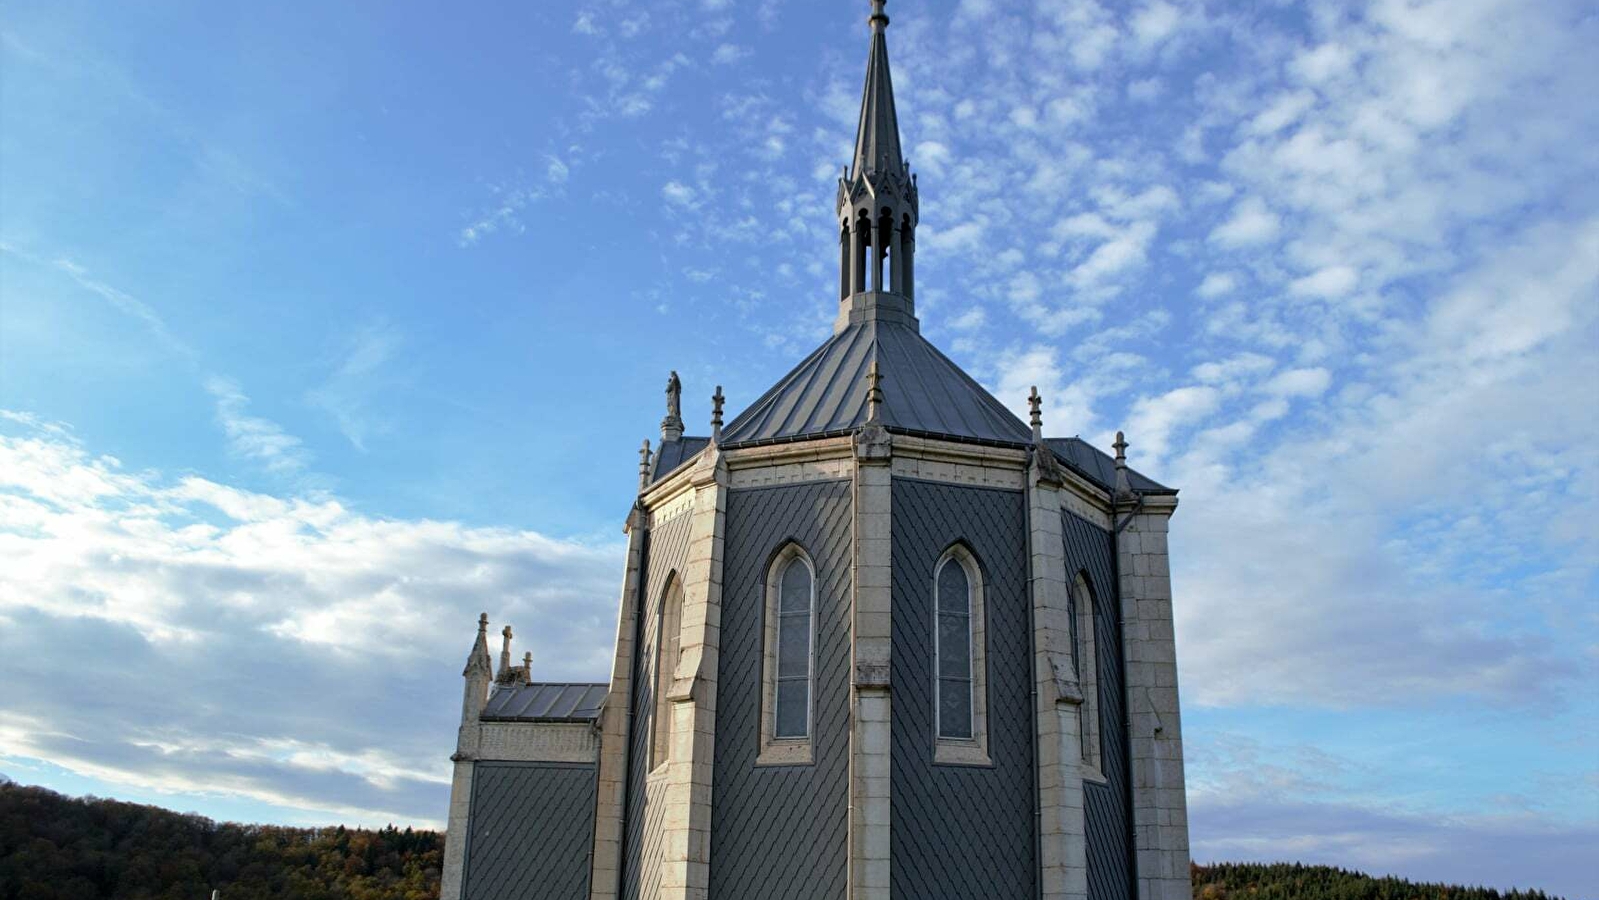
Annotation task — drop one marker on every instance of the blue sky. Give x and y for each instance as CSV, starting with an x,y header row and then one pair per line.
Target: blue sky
x,y
325,326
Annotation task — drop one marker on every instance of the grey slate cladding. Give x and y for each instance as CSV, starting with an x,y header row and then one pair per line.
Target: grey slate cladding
x,y
1091,553
530,829
781,832
546,702
671,455
962,831
1099,467
665,552
923,393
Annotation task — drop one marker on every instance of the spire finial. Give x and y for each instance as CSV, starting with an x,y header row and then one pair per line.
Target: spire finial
x,y
879,19
672,425
1035,408
874,393
483,623
527,667
716,415
644,465
1123,488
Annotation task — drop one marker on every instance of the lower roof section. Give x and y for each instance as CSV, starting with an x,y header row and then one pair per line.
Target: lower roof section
x,y
546,702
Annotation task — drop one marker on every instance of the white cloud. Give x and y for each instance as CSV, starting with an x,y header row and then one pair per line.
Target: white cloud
x,y
1300,383
1252,222
727,54
1217,284
314,647
1330,283
1154,23
679,194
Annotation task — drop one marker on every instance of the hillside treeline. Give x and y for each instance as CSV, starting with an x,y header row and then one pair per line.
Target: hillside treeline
x,y
1292,881
61,848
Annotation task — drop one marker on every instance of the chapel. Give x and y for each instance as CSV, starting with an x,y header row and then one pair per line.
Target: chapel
x,y
877,637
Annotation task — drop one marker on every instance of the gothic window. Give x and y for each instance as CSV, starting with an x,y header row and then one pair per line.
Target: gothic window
x,y
960,696
668,647
788,668
1087,658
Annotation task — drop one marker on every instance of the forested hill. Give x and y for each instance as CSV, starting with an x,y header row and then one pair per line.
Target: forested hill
x,y
1292,881
59,848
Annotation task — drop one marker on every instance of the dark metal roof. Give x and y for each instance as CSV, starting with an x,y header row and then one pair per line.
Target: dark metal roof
x,y
1099,467
923,393
673,454
546,702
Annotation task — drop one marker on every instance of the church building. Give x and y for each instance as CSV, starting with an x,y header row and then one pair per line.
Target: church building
x,y
877,637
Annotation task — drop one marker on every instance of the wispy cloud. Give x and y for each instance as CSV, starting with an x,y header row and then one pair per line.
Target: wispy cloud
x,y
348,392
252,437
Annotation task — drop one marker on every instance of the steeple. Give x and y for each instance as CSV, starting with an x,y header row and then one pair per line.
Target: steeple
x,y
877,204
877,137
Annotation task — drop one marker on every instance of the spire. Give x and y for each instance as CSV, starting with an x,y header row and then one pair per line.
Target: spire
x,y
877,137
877,206
644,466
478,661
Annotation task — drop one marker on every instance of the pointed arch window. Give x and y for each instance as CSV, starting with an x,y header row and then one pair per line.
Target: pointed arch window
x,y
668,648
960,695
788,670
1087,659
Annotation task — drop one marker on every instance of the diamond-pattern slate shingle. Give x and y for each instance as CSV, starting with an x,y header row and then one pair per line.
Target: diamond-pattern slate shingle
x,y
665,551
962,831
1091,553
781,832
531,827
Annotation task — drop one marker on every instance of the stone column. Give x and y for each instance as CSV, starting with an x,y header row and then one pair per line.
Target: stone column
x,y
896,259
871,580
686,832
616,725
1063,841
875,256
843,264
1160,807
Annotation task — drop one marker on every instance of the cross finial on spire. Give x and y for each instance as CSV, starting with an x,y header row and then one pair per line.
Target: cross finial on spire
x,y
1035,408
716,415
644,465
874,393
